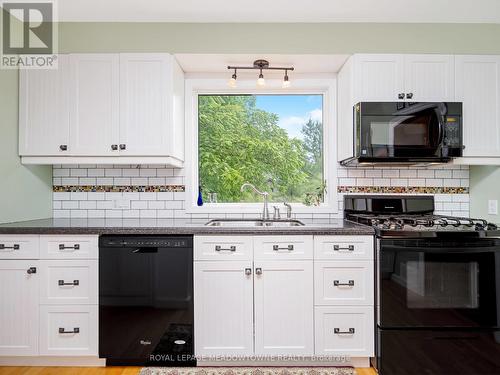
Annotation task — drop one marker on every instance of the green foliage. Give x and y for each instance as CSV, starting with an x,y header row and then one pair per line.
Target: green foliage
x,y
239,142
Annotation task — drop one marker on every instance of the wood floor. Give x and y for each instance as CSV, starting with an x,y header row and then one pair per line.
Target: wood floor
x,y
98,371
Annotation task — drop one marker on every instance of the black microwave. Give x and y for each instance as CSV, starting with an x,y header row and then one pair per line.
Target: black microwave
x,y
406,133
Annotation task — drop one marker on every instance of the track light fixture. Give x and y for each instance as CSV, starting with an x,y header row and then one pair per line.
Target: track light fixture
x,y
260,65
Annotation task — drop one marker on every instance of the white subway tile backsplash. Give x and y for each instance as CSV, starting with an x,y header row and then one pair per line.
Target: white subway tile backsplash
x,y
170,204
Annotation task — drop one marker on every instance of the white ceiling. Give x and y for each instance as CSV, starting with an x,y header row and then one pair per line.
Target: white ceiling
x,y
217,63
446,11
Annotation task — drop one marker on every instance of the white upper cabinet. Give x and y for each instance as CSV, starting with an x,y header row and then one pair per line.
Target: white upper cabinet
x,y
478,87
94,108
104,108
148,121
429,78
44,110
378,77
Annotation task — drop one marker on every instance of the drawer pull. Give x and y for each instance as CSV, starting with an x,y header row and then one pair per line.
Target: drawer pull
x,y
277,248
338,283
338,248
74,283
337,331
13,247
31,270
219,248
64,247
75,330
248,271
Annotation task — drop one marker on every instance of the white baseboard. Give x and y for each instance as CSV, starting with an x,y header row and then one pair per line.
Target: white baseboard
x,y
53,361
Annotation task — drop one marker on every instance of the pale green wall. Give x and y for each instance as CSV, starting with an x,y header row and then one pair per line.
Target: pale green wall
x,y
297,38
485,185
25,192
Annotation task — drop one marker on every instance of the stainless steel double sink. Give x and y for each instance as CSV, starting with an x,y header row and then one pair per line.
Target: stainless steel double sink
x,y
254,223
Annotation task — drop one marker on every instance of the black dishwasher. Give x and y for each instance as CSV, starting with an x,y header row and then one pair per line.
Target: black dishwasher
x,y
146,300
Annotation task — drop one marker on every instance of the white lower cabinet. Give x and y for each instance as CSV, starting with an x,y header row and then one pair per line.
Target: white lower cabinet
x,y
68,330
19,307
284,307
223,306
49,303
344,330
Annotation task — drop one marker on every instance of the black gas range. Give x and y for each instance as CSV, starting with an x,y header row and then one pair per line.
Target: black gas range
x,y
437,287
411,216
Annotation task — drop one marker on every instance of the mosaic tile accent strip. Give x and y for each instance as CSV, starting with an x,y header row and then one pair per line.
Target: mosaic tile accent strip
x,y
402,190
117,189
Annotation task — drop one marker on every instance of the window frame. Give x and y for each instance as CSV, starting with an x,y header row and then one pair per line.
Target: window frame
x,y
218,86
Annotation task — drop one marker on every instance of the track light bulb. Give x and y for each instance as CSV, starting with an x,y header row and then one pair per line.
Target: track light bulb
x,y
286,81
232,81
261,82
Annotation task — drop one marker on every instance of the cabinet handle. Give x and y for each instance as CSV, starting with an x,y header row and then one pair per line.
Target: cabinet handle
x,y
74,283
338,283
219,248
75,330
64,247
63,147
114,147
123,146
248,271
401,95
13,247
337,331
258,271
409,95
338,248
31,270
277,247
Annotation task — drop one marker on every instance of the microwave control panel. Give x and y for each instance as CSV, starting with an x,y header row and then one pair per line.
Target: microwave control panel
x,y
452,132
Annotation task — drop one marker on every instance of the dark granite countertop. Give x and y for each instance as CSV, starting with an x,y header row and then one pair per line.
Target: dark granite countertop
x,y
176,226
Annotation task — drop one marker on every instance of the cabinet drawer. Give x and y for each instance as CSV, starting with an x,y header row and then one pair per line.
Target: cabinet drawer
x,y
343,283
283,247
344,331
71,282
68,330
69,247
223,247
19,247
343,247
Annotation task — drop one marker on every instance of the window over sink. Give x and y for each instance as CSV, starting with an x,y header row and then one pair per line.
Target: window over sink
x,y
279,140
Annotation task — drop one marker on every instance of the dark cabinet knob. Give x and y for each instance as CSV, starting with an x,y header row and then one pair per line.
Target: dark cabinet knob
x,y
123,146
401,95
114,147
409,95
31,270
63,147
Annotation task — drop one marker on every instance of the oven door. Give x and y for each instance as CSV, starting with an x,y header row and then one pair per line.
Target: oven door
x,y
438,282
401,130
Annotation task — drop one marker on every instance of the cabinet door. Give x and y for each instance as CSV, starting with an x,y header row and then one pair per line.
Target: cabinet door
x,y
145,104
378,77
284,307
223,308
429,78
94,112
19,308
44,110
478,87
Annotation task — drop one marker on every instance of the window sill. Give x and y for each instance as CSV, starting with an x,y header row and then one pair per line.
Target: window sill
x,y
229,208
